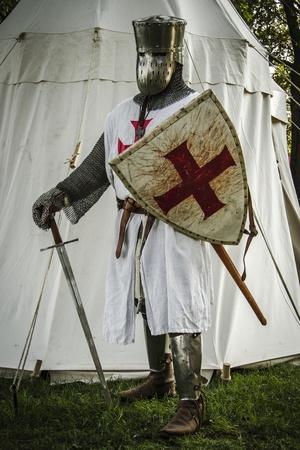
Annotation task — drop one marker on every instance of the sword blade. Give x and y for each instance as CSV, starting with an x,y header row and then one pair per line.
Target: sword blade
x,y
66,265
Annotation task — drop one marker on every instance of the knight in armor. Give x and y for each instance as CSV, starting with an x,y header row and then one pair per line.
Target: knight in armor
x,y
153,269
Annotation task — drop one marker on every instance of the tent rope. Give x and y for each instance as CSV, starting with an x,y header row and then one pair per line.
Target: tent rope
x,y
30,333
292,98
294,309
73,159
260,225
9,51
295,125
15,386
194,64
264,236
284,63
96,39
285,77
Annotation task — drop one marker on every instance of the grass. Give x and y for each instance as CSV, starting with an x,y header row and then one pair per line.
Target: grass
x,y
259,409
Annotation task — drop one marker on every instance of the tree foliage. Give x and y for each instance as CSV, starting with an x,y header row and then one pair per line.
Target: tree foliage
x,y
276,23
6,7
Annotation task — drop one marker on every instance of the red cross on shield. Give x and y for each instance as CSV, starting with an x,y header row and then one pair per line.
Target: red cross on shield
x,y
189,172
195,180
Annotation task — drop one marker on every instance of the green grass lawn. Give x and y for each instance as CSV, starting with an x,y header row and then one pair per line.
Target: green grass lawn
x,y
259,409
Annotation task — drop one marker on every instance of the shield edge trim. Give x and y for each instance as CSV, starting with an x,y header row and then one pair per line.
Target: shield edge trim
x,y
159,129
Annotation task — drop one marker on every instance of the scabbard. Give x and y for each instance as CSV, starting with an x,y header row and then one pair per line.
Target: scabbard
x,y
227,261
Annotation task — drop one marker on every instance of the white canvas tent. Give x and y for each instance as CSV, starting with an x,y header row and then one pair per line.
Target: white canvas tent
x,y
59,77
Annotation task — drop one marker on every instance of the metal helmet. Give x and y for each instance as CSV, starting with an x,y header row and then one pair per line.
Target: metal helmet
x,y
159,43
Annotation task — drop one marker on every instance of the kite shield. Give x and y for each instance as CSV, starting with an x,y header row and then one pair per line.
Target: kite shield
x,y
189,172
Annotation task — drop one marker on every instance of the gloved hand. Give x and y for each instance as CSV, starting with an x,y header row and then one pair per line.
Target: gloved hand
x,y
46,205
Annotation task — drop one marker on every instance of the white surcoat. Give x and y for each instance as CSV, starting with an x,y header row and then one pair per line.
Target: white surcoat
x,y
175,269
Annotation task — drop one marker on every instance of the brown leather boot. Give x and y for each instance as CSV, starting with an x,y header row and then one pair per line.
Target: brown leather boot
x,y
158,384
187,420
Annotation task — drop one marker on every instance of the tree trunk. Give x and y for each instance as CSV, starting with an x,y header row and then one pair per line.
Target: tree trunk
x,y
295,116
291,16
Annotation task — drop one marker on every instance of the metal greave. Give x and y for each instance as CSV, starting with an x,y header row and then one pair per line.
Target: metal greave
x,y
187,355
157,347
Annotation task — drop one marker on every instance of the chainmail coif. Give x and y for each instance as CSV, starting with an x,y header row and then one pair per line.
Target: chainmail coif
x,y
175,91
89,181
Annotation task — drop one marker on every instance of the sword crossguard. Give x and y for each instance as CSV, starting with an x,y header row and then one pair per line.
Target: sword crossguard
x,y
56,236
60,244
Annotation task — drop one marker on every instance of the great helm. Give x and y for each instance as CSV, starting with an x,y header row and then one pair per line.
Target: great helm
x,y
159,43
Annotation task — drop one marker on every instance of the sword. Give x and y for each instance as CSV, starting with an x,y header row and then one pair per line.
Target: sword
x,y
65,262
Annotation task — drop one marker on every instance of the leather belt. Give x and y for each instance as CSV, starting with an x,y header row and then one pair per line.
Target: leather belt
x,y
129,205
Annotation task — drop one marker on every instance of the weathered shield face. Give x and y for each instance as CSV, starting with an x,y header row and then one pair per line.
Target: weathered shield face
x,y
190,173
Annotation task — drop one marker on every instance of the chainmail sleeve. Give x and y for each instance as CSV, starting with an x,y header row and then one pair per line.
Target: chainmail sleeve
x,y
86,184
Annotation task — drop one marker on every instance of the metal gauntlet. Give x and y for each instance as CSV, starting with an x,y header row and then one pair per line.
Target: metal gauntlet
x,y
46,205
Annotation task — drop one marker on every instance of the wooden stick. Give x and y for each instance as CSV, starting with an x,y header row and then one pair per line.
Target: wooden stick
x,y
37,368
225,258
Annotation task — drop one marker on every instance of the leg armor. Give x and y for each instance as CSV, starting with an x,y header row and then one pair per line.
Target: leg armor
x,y
187,354
186,349
160,381
157,349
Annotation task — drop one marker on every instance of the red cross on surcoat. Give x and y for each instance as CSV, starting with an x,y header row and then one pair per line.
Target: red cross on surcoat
x,y
122,147
195,180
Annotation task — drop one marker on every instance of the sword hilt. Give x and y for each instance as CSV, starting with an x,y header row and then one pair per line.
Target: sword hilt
x,y
57,237
55,231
